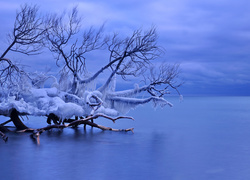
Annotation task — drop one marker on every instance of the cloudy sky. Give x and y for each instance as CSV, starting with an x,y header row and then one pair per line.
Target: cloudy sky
x,y
210,39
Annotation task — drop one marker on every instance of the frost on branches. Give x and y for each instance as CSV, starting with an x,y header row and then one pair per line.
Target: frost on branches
x,y
79,95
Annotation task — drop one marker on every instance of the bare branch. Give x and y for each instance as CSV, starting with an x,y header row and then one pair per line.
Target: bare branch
x,y
27,35
26,38
166,75
132,55
64,43
10,73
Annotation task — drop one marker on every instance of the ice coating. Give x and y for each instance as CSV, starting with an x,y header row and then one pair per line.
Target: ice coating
x,y
59,101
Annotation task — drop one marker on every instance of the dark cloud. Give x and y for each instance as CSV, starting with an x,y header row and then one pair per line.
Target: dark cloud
x,y
211,39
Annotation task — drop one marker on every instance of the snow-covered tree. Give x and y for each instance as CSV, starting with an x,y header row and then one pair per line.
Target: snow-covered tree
x,y
80,95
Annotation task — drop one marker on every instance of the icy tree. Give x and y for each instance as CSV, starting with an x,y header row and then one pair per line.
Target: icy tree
x,y
80,95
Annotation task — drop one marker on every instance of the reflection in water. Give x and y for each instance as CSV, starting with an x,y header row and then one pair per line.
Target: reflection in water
x,y
201,138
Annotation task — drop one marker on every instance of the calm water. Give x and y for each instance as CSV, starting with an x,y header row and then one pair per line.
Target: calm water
x,y
200,138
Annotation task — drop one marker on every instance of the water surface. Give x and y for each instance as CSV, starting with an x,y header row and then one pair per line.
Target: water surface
x,y
199,138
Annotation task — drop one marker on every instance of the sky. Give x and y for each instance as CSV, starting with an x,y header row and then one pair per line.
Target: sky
x,y
209,39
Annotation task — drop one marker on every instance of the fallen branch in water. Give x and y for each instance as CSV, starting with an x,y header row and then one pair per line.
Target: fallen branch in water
x,y
73,123
108,128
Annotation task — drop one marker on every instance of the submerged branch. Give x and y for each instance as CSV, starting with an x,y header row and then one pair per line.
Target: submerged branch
x,y
73,123
107,128
4,137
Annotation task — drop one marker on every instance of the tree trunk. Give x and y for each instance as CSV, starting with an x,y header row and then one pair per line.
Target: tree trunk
x,y
16,120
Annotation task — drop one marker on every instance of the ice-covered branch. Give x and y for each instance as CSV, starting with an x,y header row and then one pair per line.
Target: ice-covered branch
x,y
92,78
128,93
131,102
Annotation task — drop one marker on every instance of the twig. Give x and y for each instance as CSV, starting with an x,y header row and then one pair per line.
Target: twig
x,y
4,137
113,119
35,136
108,128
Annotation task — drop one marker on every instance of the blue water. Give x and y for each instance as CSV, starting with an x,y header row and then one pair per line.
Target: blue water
x,y
200,138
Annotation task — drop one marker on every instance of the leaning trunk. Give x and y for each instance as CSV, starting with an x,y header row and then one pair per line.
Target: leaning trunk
x,y
16,120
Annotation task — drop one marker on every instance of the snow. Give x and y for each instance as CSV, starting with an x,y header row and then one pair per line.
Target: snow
x,y
67,110
40,102
60,100
124,104
107,111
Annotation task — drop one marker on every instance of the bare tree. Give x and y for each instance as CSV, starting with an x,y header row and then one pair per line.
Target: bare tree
x,y
26,38
130,56
63,41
